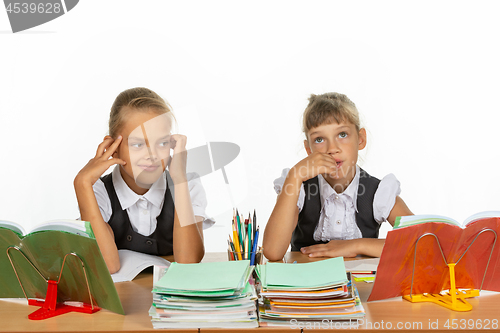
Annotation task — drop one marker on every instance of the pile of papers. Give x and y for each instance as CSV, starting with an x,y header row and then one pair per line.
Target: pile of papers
x,y
363,269
312,292
205,295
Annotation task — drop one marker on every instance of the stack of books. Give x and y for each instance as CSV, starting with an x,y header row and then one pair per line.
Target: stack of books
x,y
205,295
316,292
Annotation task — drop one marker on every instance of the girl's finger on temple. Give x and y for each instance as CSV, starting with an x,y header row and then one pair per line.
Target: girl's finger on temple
x,y
173,142
178,140
102,147
111,150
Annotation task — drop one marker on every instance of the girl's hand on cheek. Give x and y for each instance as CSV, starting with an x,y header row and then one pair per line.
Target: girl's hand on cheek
x,y
178,162
103,159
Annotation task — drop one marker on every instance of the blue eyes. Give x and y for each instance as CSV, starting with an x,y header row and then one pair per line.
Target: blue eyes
x,y
164,144
342,135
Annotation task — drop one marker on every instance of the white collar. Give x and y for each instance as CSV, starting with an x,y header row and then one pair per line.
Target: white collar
x,y
128,198
326,191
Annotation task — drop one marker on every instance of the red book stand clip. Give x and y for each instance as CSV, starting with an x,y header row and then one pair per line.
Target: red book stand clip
x,y
49,307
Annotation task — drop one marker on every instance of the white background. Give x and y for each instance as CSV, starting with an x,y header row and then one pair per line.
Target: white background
x,y
424,76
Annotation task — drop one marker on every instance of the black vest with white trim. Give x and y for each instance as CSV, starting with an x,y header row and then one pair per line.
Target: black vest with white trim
x,y
309,215
160,242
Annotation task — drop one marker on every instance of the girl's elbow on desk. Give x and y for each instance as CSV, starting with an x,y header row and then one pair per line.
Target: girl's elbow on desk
x,y
185,257
113,267
272,254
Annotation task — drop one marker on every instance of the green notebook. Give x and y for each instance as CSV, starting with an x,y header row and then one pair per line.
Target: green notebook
x,y
46,250
205,279
309,275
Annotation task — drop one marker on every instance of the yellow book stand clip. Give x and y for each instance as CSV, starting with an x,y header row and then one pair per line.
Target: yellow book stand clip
x,y
454,299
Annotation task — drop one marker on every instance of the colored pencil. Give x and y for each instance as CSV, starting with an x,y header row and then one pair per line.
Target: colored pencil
x,y
230,251
238,222
233,250
254,223
250,238
254,247
236,244
232,244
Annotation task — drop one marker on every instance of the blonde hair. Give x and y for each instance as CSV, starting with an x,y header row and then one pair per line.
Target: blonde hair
x,y
328,108
139,99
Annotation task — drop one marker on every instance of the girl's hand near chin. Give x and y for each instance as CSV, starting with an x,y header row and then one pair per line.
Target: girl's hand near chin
x,y
314,164
178,162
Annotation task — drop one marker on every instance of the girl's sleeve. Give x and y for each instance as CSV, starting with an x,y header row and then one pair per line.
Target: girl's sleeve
x,y
199,199
278,187
385,197
101,195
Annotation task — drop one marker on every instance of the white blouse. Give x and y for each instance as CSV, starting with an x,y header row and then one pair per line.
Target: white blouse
x,y
337,218
144,209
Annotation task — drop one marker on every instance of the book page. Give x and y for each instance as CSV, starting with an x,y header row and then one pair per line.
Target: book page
x,y
132,263
480,216
368,265
16,227
404,221
76,227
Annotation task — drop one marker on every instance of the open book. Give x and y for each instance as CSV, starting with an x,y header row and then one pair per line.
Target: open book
x,y
76,227
132,263
478,268
44,249
405,221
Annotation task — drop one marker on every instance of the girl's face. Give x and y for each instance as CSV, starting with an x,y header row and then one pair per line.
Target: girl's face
x,y
145,148
342,142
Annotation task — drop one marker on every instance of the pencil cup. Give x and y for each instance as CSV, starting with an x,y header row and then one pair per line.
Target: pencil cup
x,y
236,255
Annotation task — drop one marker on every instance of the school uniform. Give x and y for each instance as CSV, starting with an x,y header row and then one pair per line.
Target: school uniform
x,y
357,212
144,223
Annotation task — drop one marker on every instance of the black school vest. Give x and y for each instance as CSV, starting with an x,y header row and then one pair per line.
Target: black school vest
x,y
310,213
160,242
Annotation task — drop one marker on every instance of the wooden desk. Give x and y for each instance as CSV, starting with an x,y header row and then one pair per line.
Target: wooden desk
x,y
136,299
